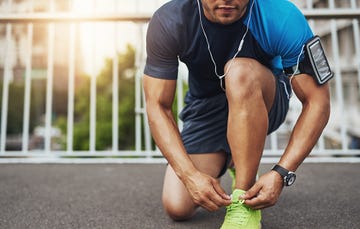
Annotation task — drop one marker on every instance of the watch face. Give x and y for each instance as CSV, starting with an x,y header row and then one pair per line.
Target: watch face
x,y
290,179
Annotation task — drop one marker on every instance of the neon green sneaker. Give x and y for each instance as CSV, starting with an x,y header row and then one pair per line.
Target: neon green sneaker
x,y
232,174
239,216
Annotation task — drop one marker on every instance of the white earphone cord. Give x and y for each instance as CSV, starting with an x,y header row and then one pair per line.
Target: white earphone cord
x,y
209,48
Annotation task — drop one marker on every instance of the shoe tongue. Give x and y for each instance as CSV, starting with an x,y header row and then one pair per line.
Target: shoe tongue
x,y
236,194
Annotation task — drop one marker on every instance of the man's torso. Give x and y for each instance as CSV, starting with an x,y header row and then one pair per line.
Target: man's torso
x,y
175,32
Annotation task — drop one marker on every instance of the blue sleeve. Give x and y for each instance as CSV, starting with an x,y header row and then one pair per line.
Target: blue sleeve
x,y
161,47
281,29
294,33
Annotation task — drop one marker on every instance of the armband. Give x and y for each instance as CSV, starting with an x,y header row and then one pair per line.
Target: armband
x,y
314,63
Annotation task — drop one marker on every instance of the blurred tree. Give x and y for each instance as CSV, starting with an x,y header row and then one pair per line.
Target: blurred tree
x,y
15,109
126,111
16,106
126,108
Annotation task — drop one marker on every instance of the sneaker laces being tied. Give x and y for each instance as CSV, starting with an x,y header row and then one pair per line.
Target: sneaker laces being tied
x,y
238,214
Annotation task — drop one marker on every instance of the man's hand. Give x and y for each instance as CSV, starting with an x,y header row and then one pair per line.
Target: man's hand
x,y
265,192
206,191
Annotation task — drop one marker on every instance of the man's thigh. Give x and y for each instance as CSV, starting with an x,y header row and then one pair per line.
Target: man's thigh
x,y
276,89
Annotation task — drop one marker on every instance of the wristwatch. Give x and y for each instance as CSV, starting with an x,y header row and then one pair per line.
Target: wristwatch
x,y
288,176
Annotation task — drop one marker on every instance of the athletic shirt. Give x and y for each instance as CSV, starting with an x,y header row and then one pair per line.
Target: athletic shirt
x,y
277,33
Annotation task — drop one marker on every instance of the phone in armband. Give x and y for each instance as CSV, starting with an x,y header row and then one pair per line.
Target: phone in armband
x,y
319,63
314,63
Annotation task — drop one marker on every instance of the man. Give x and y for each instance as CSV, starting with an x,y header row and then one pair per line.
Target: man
x,y
237,53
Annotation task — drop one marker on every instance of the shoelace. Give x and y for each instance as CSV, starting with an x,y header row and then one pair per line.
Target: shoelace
x,y
237,213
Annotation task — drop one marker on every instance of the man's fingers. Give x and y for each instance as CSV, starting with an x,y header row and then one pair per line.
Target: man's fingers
x,y
265,192
259,202
253,203
207,192
214,198
219,200
252,192
209,204
219,190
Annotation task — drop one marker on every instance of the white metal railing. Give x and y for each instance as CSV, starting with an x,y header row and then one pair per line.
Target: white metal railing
x,y
337,130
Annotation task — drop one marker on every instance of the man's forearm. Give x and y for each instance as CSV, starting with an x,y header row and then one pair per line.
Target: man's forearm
x,y
167,137
306,133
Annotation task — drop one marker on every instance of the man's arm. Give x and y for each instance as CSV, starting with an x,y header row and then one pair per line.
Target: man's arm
x,y
315,114
159,95
205,190
311,122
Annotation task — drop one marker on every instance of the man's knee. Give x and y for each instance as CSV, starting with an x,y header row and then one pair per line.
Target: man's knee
x,y
241,67
247,78
241,80
177,210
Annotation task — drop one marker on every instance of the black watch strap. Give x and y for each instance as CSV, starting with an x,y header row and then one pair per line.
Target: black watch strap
x,y
281,170
288,176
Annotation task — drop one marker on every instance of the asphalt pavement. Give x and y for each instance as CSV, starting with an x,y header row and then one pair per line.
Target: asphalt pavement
x,y
36,196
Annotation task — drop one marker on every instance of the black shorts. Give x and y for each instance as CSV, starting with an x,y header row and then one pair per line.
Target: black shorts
x,y
205,120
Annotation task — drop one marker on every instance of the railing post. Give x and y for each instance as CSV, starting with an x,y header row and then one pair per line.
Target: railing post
x,y
93,80
357,41
338,77
49,85
71,90
115,90
6,82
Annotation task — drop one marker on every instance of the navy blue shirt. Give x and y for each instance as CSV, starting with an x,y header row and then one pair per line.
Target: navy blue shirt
x,y
277,33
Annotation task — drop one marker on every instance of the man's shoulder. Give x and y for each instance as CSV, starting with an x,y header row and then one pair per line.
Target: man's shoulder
x,y
280,18
175,20
175,11
278,9
277,4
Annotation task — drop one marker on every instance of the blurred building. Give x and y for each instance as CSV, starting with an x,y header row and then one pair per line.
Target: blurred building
x,y
347,65
14,51
20,39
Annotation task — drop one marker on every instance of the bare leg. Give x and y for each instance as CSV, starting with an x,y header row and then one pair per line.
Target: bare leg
x,y
250,90
176,199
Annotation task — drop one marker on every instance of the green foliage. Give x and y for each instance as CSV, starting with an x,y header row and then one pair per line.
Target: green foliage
x,y
16,106
81,136
15,109
126,113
